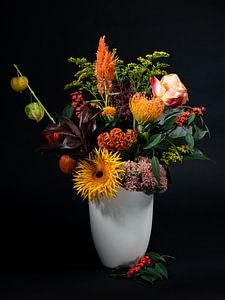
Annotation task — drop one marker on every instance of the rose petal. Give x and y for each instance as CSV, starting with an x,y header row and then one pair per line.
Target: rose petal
x,y
157,89
173,81
174,102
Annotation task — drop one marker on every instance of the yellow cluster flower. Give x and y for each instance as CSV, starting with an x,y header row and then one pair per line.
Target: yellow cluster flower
x,y
174,154
183,149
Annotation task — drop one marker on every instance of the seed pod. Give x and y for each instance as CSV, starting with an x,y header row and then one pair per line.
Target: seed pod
x,y
34,111
67,164
19,83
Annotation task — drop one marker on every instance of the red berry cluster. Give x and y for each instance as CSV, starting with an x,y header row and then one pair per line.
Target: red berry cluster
x,y
186,114
78,102
143,261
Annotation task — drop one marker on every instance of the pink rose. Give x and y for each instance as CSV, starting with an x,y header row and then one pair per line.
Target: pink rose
x,y
170,89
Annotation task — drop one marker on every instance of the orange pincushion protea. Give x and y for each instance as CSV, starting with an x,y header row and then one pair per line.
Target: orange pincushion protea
x,y
105,66
116,139
145,109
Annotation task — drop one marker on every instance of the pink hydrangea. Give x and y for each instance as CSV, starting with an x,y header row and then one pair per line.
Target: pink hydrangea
x,y
139,176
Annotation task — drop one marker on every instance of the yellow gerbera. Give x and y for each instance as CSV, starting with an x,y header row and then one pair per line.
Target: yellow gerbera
x,y
99,175
145,109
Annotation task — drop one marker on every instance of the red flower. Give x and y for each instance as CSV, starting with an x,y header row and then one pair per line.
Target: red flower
x,y
78,102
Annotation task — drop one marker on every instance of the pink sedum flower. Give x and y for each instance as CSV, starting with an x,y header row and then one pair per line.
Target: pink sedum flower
x,y
170,89
139,176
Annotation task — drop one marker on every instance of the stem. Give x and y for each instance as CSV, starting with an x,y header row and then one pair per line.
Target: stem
x,y
134,124
32,92
174,146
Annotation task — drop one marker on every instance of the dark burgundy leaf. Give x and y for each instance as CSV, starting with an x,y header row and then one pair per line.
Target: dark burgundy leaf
x,y
54,147
71,143
73,127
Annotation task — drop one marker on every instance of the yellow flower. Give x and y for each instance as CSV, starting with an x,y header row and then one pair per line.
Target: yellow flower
x,y
174,154
99,175
109,111
145,109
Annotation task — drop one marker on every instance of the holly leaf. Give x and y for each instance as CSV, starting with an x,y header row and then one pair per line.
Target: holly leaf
x,y
148,278
156,257
154,272
162,270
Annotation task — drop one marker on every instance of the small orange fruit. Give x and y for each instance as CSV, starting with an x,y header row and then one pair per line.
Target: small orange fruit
x,y
53,137
67,164
19,83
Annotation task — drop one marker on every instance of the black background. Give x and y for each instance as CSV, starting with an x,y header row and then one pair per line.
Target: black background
x,y
46,246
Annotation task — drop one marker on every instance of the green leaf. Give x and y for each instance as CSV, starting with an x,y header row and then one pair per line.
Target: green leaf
x,y
156,257
207,130
190,140
154,272
197,154
161,268
153,141
156,167
201,120
180,131
169,123
94,100
199,133
141,138
68,111
148,278
191,119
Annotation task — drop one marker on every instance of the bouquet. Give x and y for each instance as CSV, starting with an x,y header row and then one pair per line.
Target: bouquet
x,y
123,127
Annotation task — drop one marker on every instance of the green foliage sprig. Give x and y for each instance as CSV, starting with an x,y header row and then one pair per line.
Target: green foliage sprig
x,y
150,273
137,73
85,78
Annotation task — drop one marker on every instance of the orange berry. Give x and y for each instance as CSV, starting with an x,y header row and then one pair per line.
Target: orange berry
x,y
19,83
67,164
53,137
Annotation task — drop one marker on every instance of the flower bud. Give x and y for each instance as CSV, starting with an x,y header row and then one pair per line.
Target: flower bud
x,y
34,111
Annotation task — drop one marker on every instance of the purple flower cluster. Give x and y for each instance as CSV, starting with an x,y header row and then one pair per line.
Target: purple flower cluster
x,y
139,176
121,101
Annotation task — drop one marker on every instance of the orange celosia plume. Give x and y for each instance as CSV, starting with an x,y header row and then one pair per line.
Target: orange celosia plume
x,y
105,66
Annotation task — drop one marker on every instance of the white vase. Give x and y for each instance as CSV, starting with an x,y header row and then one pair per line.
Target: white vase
x,y
121,227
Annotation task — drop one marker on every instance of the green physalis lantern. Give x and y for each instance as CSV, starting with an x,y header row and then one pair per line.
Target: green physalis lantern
x,y
34,111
